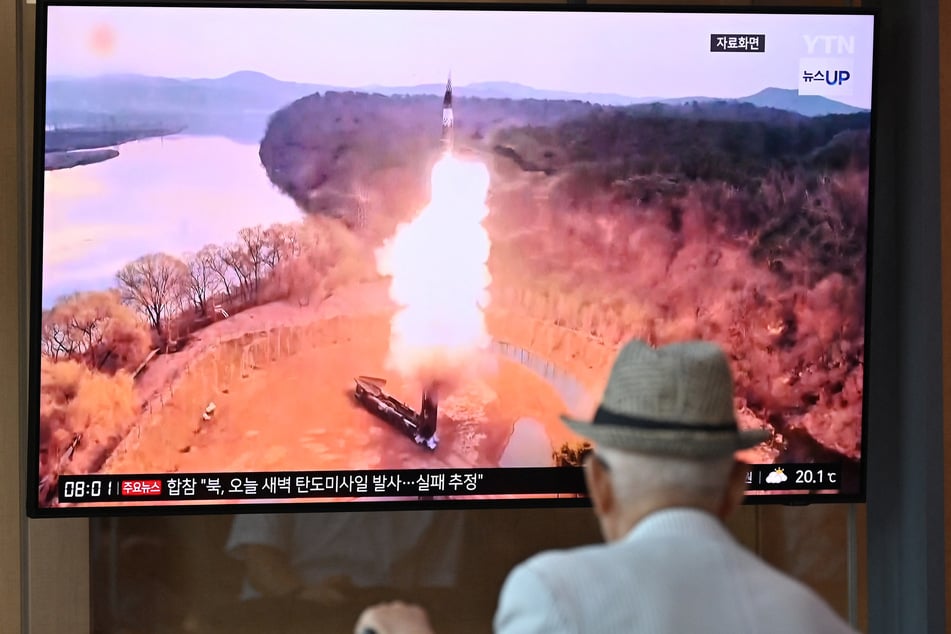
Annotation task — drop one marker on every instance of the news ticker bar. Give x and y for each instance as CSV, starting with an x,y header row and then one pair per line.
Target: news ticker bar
x,y
78,489
319,484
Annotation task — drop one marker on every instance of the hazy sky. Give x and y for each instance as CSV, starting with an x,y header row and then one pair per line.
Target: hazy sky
x,y
640,55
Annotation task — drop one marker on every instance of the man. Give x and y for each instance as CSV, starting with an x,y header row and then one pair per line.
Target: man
x,y
661,478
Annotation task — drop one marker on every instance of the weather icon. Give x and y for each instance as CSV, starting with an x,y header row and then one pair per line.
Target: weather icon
x,y
776,476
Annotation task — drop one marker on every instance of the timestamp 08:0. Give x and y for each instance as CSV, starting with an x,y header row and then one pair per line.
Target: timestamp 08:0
x,y
79,489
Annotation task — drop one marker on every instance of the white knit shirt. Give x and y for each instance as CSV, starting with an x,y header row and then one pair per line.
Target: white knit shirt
x,y
679,571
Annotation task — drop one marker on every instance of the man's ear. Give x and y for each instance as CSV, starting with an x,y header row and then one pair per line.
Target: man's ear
x,y
735,490
599,486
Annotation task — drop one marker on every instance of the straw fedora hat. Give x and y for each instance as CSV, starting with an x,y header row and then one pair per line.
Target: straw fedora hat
x,y
674,400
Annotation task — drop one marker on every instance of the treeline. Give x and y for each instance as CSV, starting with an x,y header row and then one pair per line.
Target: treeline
x,y
92,342
777,275
690,143
157,291
322,148
69,139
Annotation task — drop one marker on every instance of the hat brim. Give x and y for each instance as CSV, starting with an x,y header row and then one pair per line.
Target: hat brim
x,y
687,444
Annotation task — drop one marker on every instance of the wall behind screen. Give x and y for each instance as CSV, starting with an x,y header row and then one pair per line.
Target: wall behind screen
x,y
44,566
944,80
11,506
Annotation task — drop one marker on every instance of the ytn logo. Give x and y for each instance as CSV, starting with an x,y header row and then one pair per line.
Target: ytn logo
x,y
829,44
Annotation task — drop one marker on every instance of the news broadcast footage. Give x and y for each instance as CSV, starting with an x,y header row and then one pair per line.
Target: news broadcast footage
x,y
311,246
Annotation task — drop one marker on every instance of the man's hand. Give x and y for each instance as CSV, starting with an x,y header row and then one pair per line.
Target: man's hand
x,y
393,618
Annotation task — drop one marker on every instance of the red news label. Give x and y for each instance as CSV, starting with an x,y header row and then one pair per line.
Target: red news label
x,y
141,487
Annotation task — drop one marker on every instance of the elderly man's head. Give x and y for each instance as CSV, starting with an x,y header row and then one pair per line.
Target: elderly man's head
x,y
625,486
665,435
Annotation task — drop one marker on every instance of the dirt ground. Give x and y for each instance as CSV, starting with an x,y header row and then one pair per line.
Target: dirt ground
x,y
357,299
298,412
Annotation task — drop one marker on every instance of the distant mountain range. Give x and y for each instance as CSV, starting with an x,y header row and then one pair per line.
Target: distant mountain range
x,y
786,99
250,92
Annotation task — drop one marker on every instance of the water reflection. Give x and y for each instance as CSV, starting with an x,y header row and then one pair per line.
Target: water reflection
x,y
173,195
528,446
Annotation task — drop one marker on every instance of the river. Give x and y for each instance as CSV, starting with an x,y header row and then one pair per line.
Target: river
x,y
172,195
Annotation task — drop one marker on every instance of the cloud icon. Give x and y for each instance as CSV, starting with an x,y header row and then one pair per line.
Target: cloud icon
x,y
776,476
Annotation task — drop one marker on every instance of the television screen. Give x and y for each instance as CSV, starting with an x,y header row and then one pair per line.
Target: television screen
x,y
363,256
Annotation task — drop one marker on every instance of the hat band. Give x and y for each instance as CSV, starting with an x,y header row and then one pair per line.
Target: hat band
x,y
607,417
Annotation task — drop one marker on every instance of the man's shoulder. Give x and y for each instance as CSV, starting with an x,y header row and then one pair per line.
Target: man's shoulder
x,y
565,567
546,593
558,558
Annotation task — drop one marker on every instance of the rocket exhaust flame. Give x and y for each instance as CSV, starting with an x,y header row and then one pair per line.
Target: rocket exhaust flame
x,y
440,279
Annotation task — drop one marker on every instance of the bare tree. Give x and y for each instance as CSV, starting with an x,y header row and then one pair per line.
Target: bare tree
x,y
273,251
283,249
282,242
55,341
236,257
81,413
254,243
95,329
220,269
154,285
203,282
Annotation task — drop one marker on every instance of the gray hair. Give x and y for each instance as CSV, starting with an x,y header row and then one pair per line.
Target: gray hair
x,y
636,476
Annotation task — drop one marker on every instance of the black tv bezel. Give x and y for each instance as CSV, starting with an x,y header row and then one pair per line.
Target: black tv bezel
x,y
35,224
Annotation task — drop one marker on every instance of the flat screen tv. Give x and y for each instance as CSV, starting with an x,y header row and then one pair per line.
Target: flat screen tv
x,y
361,256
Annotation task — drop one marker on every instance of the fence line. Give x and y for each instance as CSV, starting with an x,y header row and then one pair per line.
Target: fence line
x,y
571,391
227,361
216,370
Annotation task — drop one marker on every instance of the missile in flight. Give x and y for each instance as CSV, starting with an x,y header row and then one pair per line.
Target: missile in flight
x,y
447,120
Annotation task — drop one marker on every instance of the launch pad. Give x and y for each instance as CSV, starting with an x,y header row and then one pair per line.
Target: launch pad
x,y
419,426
